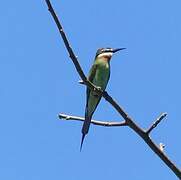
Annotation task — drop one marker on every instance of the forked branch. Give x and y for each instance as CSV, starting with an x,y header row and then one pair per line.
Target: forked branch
x,y
128,120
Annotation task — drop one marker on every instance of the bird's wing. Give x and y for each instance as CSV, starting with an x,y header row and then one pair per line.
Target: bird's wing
x,y
92,72
86,124
91,76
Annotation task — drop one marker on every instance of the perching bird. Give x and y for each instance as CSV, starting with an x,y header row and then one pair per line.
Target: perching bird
x,y
99,75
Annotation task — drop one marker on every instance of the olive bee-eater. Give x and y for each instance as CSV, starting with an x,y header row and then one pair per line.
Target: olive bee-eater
x,y
98,75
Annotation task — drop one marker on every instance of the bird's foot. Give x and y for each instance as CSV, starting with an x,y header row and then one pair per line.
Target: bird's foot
x,y
98,88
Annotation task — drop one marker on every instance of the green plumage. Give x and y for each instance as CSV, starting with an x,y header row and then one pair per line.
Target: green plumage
x,y
99,75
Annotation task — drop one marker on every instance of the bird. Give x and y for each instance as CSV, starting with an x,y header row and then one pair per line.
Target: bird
x,y
99,75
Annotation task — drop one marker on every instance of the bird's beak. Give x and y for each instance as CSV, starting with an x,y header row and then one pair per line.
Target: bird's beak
x,y
117,49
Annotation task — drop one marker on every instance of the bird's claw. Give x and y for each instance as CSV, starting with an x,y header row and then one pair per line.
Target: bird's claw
x,y
98,88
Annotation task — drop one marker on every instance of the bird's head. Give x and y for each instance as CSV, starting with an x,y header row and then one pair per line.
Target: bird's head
x,y
107,52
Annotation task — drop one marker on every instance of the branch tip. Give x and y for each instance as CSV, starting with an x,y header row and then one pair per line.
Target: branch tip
x,y
154,125
81,82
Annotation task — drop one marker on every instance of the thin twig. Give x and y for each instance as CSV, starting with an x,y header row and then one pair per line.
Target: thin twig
x,y
70,51
158,120
128,120
95,122
67,45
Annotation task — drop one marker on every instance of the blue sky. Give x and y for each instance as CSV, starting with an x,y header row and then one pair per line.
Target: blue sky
x,y
38,81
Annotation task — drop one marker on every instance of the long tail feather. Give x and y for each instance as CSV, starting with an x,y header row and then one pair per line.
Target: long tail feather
x,y
85,127
83,136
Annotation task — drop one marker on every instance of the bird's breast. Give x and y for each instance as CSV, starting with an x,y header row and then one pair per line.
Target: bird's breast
x,y
102,75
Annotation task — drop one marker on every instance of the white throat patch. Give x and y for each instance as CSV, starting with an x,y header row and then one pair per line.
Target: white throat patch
x,y
105,54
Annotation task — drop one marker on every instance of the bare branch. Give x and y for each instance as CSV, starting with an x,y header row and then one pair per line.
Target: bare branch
x,y
70,51
95,122
128,120
158,120
67,45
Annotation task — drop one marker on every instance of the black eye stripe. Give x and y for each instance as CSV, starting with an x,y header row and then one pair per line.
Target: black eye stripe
x,y
106,50
103,50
